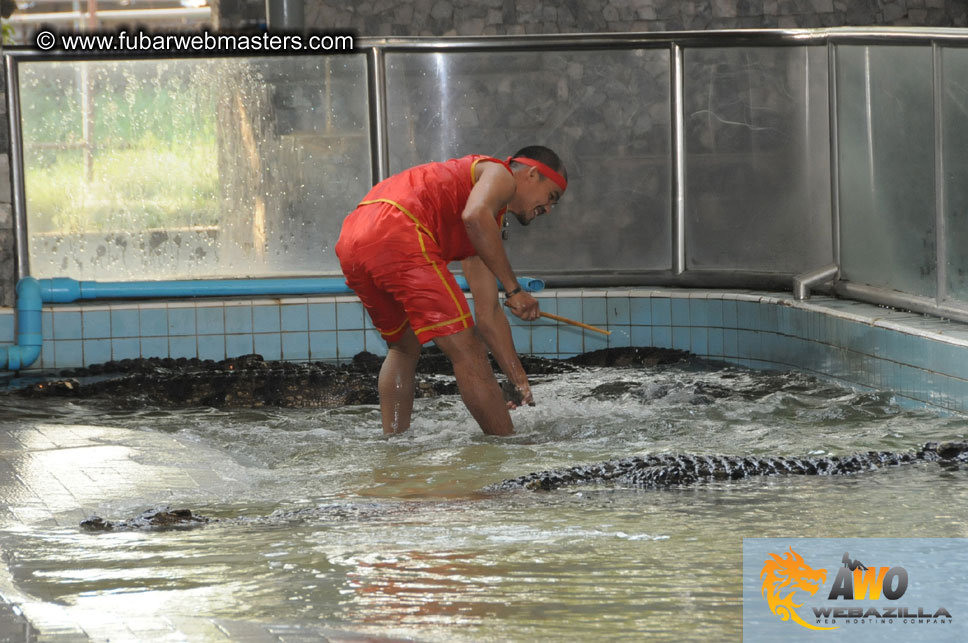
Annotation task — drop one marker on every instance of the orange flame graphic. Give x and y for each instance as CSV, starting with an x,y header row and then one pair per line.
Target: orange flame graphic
x,y
790,572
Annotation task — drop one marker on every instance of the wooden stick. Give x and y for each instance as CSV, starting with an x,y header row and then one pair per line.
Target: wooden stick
x,y
576,323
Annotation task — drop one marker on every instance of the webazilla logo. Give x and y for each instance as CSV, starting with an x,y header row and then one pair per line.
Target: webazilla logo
x,y
784,576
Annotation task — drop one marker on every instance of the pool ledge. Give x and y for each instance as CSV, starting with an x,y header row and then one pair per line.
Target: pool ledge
x,y
921,359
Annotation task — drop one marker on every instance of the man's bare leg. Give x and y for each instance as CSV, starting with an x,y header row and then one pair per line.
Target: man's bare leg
x,y
396,383
475,379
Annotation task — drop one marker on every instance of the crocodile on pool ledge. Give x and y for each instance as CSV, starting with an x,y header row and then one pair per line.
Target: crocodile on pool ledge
x,y
250,381
649,471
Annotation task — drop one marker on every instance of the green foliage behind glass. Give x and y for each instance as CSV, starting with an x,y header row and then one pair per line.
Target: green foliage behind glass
x,y
150,186
152,142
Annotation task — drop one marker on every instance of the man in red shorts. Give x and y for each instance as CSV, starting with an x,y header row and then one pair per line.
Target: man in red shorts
x,y
394,250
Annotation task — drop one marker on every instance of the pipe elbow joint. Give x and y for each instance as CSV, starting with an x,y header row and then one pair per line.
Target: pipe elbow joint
x,y
29,294
29,335
802,283
19,356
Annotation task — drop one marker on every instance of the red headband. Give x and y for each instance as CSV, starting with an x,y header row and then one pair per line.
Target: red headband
x,y
544,169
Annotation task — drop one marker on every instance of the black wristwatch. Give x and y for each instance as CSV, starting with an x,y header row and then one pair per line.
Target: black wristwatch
x,y
512,293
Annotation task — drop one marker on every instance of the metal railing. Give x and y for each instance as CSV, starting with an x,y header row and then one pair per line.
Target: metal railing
x,y
678,47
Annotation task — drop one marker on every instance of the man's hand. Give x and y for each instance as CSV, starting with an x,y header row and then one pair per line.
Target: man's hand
x,y
523,306
526,397
517,394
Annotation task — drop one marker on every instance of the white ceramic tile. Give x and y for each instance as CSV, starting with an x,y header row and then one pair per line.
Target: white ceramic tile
x,y
93,308
568,292
747,296
642,292
677,293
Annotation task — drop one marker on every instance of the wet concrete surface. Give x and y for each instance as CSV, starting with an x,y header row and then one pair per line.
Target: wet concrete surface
x,y
54,476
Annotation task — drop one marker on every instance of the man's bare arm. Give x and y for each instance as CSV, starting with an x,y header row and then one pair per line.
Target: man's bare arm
x,y
492,192
493,326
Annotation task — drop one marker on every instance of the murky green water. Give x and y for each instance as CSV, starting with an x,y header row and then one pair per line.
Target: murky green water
x,y
402,544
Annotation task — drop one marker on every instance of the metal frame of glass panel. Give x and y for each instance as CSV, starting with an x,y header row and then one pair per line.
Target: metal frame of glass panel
x,y
677,273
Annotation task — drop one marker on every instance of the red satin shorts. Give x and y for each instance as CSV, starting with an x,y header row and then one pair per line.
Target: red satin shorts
x,y
396,269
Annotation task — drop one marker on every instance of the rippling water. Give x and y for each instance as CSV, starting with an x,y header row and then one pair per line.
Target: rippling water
x,y
401,543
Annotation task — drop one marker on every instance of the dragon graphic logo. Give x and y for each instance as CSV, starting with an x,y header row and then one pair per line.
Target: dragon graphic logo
x,y
782,577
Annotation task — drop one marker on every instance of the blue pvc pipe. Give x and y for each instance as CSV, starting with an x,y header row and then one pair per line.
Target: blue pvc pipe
x,y
29,338
63,290
529,284
33,293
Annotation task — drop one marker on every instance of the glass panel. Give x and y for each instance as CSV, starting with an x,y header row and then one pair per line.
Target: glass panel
x,y
607,113
163,169
885,125
757,159
955,66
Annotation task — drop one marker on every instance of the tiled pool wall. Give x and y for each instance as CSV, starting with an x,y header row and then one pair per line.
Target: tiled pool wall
x,y
921,359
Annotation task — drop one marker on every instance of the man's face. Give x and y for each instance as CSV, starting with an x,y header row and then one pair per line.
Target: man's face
x,y
535,196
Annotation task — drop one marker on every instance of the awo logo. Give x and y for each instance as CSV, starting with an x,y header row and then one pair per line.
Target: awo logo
x,y
784,576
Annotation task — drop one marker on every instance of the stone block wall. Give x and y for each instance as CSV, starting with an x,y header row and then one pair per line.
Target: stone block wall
x,y
496,17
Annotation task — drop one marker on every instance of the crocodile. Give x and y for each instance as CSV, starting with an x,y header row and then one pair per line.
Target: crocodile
x,y
664,471
166,519
645,472
251,381
158,518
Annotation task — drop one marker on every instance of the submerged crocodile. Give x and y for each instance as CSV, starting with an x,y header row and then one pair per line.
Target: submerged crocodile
x,y
166,518
663,471
649,472
251,381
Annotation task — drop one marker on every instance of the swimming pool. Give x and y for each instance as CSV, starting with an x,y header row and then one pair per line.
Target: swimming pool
x,y
392,537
